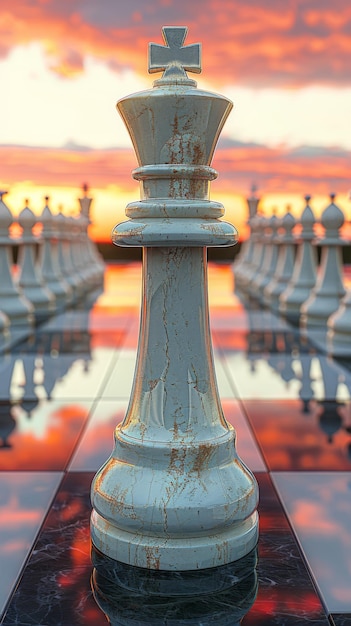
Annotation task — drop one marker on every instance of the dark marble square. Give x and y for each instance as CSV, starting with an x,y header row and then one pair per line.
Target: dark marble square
x,y
55,586
341,620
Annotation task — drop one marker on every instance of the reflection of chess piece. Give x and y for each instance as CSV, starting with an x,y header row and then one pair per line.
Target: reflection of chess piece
x,y
330,420
29,400
306,390
72,344
48,365
280,355
331,377
7,422
130,595
174,494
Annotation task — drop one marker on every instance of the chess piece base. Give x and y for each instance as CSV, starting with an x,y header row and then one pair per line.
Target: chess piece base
x,y
183,553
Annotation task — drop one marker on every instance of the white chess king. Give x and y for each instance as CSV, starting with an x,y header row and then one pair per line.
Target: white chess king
x,y
174,495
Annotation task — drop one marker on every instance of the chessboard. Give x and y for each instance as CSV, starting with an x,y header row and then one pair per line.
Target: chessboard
x,y
64,389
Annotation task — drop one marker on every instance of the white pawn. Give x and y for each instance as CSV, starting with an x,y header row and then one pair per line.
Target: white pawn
x,y
30,279
304,274
244,259
80,259
285,263
13,303
329,289
48,261
67,269
81,272
252,265
269,262
93,256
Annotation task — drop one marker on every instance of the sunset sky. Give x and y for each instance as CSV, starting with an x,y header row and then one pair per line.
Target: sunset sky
x,y
65,63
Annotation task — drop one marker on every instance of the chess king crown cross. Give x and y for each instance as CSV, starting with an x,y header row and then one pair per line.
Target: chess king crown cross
x,y
174,58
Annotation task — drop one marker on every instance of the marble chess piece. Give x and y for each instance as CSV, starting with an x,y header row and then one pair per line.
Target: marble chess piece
x,y
13,303
253,268
49,263
339,328
304,274
285,263
329,289
30,279
65,260
269,260
91,254
174,495
244,259
81,268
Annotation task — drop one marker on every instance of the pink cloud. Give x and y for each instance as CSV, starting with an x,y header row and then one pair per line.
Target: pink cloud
x,y
302,170
259,42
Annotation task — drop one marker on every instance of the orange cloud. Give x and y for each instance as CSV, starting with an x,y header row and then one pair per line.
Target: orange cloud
x,y
253,43
63,167
299,170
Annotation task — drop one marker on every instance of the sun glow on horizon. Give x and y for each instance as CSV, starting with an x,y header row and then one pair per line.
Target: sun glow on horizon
x,y
109,205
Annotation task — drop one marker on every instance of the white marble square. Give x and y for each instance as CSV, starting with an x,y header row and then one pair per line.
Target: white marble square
x,y
61,376
259,376
96,444
119,383
318,505
224,384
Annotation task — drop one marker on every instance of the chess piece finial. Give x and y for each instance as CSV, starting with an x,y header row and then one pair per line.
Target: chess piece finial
x,y
174,59
253,202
